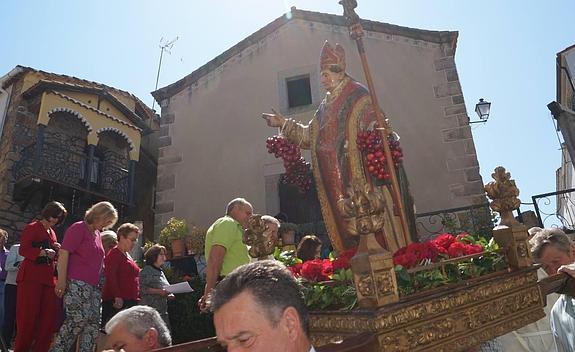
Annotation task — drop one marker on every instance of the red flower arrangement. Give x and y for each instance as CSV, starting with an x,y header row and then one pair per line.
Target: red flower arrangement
x,y
445,247
327,283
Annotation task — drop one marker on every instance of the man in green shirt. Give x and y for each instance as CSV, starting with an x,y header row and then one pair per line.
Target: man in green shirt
x,y
224,247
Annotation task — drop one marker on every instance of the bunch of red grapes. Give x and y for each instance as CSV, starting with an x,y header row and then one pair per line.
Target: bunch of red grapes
x,y
370,144
297,169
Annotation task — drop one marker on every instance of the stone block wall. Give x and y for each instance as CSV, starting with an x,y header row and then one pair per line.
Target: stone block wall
x,y
462,164
169,157
19,130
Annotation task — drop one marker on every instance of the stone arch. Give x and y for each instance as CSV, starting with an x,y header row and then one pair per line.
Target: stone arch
x,y
121,133
73,113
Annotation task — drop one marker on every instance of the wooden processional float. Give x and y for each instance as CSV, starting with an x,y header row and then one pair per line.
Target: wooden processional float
x,y
453,317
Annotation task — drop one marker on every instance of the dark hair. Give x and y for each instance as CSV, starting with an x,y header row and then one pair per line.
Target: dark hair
x,y
281,216
152,254
272,286
307,247
126,229
54,210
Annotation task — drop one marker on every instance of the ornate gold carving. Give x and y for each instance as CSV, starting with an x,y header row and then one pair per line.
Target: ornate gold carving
x,y
385,283
259,237
522,250
503,192
363,208
365,286
452,321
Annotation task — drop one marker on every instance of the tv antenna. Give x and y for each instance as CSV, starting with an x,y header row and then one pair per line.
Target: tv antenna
x,y
164,46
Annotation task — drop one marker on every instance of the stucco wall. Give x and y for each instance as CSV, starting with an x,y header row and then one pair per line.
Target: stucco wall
x,y
213,138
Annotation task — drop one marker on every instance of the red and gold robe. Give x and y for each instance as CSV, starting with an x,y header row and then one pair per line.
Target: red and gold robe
x,y
336,160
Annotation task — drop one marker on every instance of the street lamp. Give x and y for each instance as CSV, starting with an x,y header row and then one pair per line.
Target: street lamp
x,y
482,109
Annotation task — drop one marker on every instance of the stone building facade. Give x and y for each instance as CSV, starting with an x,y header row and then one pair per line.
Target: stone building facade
x,y
212,139
74,141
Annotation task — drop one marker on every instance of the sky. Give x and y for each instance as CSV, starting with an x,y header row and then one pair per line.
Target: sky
x,y
506,54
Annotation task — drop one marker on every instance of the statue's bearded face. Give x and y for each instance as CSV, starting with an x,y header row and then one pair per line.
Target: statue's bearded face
x,y
330,79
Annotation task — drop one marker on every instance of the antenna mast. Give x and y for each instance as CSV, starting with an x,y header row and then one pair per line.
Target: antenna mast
x,y
164,46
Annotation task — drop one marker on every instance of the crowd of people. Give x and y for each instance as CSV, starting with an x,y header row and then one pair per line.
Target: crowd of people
x,y
58,297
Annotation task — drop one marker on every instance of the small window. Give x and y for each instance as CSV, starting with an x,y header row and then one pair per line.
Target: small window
x,y
299,91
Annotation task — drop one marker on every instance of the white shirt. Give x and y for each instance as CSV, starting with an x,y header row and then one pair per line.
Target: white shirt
x,y
13,258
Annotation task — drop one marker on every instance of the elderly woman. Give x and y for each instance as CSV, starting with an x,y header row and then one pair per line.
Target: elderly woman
x,y
153,282
122,285
36,303
79,276
109,240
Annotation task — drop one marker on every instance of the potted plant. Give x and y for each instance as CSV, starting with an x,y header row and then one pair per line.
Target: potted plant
x,y
195,243
173,235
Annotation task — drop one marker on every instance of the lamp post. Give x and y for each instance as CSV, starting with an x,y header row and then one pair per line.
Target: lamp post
x,y
482,109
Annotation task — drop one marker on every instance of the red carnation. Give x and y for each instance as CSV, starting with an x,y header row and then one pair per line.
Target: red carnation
x,y
407,260
312,270
444,240
456,249
326,269
473,249
296,269
341,263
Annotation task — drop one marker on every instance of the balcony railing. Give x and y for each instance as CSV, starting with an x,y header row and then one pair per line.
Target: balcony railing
x,y
475,219
63,166
555,209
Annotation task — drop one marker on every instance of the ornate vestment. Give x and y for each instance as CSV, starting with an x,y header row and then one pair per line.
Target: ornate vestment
x,y
336,160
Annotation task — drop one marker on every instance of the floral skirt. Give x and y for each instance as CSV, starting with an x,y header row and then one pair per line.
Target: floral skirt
x,y
82,307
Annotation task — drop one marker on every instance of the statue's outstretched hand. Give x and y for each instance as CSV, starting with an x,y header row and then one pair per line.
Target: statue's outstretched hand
x,y
274,119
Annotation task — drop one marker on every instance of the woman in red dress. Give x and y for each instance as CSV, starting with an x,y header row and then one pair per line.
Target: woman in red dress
x,y
36,302
122,285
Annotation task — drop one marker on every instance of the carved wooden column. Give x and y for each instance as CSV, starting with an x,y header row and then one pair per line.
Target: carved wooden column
x,y
38,148
510,234
372,266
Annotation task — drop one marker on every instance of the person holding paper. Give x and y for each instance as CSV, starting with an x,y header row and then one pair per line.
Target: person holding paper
x,y
153,282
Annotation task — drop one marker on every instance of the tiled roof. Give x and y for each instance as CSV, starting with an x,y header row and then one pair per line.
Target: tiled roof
x,y
75,101
83,82
58,85
448,37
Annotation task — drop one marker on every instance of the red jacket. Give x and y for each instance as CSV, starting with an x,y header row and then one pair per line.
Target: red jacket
x,y
122,277
33,239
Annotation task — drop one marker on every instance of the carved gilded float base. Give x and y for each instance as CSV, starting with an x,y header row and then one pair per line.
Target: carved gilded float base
x,y
451,318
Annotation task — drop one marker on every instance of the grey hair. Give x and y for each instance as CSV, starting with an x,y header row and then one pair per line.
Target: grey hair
x,y
546,237
138,320
235,203
270,219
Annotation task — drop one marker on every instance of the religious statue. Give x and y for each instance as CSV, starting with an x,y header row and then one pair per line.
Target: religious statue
x,y
332,136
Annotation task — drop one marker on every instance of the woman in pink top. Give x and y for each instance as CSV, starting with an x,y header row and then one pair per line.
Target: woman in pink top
x,y
122,285
80,264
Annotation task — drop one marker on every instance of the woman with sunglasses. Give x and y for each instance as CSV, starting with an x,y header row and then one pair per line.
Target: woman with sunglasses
x,y
37,303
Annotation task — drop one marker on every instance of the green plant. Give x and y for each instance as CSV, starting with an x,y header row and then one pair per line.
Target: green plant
x,y
196,240
175,229
184,312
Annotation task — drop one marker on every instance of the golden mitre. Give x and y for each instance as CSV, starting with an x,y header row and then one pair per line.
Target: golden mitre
x,y
332,58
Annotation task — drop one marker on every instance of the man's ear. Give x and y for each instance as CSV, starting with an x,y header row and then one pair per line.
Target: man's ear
x,y
151,338
292,323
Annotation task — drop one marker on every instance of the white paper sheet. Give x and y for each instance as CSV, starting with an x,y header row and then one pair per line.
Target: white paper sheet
x,y
181,287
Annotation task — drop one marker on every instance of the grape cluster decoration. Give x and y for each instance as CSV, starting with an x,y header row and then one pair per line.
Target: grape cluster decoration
x,y
370,144
297,169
